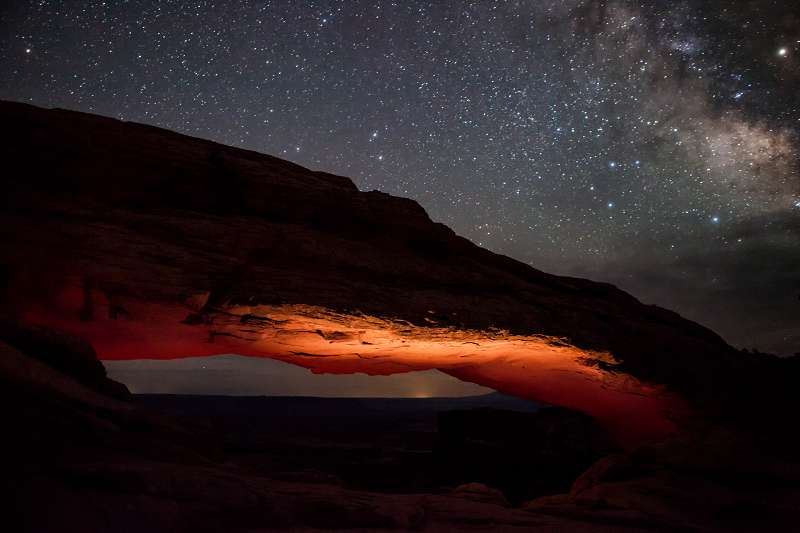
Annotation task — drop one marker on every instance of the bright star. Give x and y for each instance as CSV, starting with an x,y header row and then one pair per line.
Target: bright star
x,y
715,219
27,50
783,52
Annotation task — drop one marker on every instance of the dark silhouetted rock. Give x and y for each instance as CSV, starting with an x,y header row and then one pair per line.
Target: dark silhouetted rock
x,y
66,353
153,244
480,493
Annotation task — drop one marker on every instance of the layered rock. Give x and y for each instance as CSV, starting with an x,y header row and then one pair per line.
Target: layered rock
x,y
153,244
148,243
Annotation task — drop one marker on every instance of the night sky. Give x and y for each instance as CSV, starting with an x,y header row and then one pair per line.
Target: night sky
x,y
653,145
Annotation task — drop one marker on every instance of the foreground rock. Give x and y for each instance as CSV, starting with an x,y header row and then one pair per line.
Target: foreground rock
x,y
65,353
715,481
153,244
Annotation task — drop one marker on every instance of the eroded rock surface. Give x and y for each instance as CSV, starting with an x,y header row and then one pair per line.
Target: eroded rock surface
x,y
146,243
153,244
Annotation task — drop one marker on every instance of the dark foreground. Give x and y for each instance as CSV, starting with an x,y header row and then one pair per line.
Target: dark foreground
x,y
83,455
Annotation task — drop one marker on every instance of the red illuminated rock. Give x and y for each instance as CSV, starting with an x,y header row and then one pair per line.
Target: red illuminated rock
x,y
153,244
81,461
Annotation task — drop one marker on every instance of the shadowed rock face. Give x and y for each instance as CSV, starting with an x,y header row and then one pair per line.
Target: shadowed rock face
x,y
153,244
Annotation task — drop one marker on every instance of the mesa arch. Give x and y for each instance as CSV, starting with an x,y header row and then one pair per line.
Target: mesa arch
x,y
153,244
534,367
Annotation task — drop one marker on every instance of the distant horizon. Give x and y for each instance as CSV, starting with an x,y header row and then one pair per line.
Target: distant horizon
x,y
305,396
242,376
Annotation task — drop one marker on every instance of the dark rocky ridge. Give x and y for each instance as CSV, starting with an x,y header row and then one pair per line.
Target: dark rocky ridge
x,y
366,244
140,214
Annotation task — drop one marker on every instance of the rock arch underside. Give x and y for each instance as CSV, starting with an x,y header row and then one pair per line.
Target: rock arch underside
x,y
151,244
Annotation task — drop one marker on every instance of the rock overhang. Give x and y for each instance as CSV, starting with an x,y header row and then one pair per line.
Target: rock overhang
x,y
154,244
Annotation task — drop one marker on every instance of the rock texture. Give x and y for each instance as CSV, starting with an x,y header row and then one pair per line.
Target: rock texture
x,y
148,243
71,355
153,244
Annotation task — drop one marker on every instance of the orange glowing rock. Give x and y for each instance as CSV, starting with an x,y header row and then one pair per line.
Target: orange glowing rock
x,y
153,244
536,367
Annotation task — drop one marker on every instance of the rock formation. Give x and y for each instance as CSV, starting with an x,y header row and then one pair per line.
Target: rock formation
x,y
131,241
79,460
149,243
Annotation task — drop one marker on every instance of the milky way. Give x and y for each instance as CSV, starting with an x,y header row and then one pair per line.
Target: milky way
x,y
650,144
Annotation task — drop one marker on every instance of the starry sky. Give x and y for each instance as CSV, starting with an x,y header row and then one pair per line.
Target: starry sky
x,y
651,144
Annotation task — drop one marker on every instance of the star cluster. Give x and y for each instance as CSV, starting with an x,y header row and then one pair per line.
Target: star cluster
x,y
650,144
